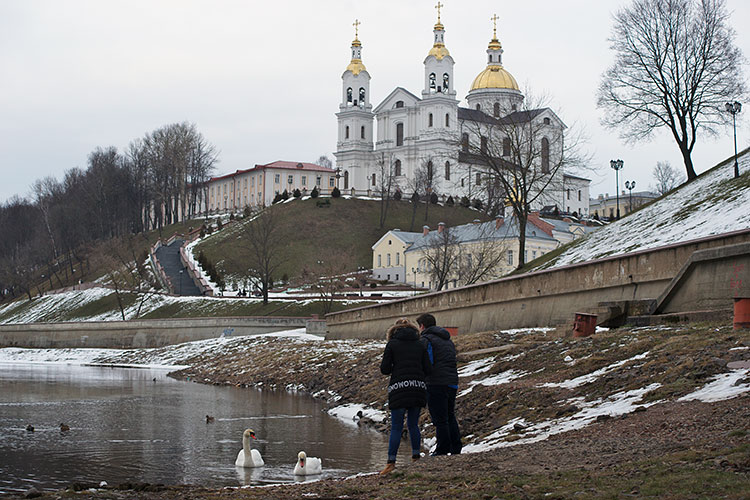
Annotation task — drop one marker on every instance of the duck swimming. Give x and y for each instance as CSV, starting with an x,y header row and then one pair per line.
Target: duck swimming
x,y
64,428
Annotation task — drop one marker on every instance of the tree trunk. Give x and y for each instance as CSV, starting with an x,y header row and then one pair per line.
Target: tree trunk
x,y
688,160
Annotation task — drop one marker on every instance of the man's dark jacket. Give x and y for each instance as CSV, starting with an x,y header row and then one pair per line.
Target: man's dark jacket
x,y
405,360
442,353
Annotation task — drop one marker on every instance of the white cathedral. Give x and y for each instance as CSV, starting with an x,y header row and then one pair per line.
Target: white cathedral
x,y
433,129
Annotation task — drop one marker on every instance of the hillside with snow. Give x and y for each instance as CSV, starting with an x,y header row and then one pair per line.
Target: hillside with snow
x,y
714,203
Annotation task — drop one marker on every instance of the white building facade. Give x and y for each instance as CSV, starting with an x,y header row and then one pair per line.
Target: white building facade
x,y
431,132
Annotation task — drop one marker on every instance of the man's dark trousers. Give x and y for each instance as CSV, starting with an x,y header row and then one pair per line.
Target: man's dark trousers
x,y
441,401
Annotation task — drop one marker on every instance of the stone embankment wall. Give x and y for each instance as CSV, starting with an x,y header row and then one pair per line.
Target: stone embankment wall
x,y
552,297
142,333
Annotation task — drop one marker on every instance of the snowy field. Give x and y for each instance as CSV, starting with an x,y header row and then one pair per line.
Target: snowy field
x,y
710,205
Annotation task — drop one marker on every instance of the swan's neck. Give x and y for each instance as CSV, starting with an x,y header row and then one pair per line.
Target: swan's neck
x,y
246,445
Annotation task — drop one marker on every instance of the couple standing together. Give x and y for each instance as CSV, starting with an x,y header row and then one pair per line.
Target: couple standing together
x,y
421,360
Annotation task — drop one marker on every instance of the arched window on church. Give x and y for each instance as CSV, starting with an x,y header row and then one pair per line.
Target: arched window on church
x,y
346,133
397,168
349,95
506,146
447,120
545,155
432,82
447,170
399,134
465,142
479,107
546,121
362,132
429,173
496,109
446,82
373,180
399,104
429,120
362,96
346,179
483,144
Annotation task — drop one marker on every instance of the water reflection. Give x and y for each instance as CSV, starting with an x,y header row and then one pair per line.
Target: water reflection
x,y
126,427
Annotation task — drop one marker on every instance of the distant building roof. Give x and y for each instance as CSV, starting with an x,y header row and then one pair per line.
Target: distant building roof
x,y
279,164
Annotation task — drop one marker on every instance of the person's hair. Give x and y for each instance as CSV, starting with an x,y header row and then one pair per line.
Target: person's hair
x,y
400,323
426,320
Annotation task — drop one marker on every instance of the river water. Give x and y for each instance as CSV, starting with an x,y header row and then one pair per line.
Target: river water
x,y
138,425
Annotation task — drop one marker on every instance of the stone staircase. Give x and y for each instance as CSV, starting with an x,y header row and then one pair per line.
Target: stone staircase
x,y
169,258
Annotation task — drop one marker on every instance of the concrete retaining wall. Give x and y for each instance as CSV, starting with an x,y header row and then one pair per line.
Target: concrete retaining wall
x,y
542,298
139,333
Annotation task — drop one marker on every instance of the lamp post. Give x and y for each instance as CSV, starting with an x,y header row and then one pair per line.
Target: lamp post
x,y
630,185
734,108
181,271
617,166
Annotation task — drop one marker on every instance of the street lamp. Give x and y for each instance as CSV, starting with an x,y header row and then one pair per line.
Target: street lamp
x,y
617,166
181,271
630,185
413,270
734,108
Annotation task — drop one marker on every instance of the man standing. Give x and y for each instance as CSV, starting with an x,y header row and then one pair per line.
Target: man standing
x,y
442,385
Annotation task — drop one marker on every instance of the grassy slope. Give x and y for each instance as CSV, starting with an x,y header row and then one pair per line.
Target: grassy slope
x,y
345,231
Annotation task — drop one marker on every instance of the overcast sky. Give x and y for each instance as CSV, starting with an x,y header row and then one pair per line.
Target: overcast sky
x,y
262,79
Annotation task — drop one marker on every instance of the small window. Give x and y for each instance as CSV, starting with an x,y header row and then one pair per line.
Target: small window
x,y
362,132
399,134
331,181
496,109
546,121
545,155
479,179
346,133
277,178
447,170
465,142
567,193
462,182
447,120
399,104
361,96
304,180
479,107
380,263
429,120
432,81
318,180
388,259
483,144
397,277
579,195
510,257
389,242
446,82
397,168
346,179
290,179
398,260
506,146
349,95
373,179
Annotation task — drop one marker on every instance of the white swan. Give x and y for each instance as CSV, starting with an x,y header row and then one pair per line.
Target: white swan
x,y
248,457
307,465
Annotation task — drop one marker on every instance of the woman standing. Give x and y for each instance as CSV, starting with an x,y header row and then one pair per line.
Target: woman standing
x,y
405,359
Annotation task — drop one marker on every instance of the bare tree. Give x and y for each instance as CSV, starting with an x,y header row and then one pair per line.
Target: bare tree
x,y
327,278
127,272
384,182
675,66
523,156
324,161
667,177
442,255
264,243
480,259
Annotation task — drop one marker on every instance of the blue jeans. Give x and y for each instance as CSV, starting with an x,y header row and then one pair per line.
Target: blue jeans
x,y
441,401
397,427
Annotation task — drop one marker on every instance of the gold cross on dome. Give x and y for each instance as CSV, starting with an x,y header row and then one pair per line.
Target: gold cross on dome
x,y
494,19
356,28
438,7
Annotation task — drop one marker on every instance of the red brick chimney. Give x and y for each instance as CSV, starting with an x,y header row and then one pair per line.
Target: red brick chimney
x,y
441,227
425,230
499,221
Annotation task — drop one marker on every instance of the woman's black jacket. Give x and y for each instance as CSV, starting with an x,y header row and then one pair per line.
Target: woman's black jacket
x,y
405,360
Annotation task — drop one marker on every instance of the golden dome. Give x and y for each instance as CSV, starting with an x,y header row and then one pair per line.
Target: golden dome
x,y
494,77
356,66
439,51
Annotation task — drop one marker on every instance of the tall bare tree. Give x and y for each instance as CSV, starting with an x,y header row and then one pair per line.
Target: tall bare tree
x,y
481,257
667,177
385,180
523,155
675,67
265,242
442,255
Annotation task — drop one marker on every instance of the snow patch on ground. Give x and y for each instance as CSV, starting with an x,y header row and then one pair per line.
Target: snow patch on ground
x,y
590,377
497,379
723,386
348,412
476,367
